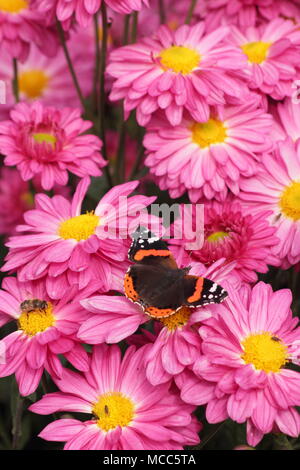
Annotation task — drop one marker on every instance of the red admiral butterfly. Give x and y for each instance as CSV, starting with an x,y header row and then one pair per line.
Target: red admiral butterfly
x,y
157,284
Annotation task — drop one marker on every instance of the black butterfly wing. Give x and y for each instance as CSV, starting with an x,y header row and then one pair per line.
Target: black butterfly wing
x,y
199,291
157,289
148,249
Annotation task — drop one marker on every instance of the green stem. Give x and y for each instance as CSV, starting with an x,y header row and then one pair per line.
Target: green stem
x,y
120,163
69,62
102,90
134,27
162,11
16,81
137,163
190,11
17,423
97,64
126,30
215,430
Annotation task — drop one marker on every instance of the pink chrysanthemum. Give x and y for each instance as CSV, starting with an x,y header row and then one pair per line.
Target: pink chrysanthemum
x,y
45,329
276,188
233,234
272,51
287,118
206,159
177,70
48,142
82,11
244,13
242,373
21,24
177,344
49,79
15,199
127,413
72,248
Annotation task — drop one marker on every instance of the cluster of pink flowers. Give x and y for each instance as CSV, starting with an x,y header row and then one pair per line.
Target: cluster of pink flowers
x,y
204,97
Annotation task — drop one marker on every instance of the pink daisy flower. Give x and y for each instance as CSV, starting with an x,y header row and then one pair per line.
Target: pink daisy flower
x,y
177,70
244,13
48,142
232,234
287,118
276,188
20,26
177,344
273,56
45,328
48,79
127,413
207,158
15,199
242,373
82,11
68,247
69,11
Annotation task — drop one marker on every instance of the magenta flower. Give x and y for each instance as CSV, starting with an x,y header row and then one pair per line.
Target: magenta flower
x,y
207,158
15,199
177,345
276,188
67,247
48,79
287,117
177,70
21,24
126,411
236,235
48,142
244,13
272,53
242,373
82,11
45,329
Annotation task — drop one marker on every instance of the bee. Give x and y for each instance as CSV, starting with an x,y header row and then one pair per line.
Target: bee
x,y
33,304
274,338
106,410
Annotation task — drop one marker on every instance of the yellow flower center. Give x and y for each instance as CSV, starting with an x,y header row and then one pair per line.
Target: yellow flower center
x,y
180,59
256,52
178,319
216,236
112,410
265,352
37,320
290,201
41,137
33,83
13,6
207,133
80,227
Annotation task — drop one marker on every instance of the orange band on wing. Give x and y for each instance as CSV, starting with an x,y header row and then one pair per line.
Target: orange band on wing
x,y
143,253
198,290
129,289
159,312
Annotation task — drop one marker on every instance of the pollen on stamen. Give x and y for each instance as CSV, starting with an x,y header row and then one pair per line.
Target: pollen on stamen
x,y
178,319
112,410
80,227
36,321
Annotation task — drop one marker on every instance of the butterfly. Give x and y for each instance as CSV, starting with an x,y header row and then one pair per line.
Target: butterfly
x,y
157,284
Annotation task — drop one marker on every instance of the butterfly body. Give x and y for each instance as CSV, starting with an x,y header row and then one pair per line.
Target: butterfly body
x,y
157,284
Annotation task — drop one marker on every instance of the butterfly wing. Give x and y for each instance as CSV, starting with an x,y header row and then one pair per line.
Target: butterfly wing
x,y
199,291
157,289
148,249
